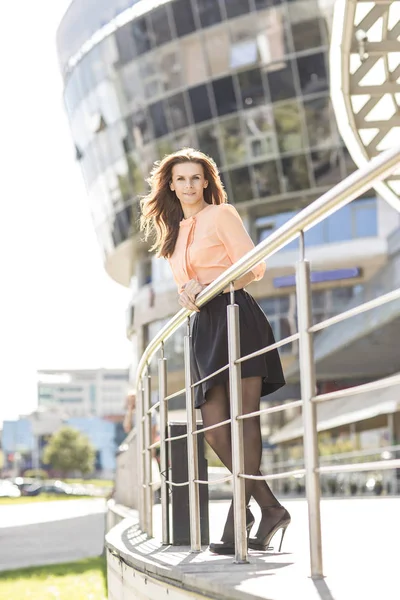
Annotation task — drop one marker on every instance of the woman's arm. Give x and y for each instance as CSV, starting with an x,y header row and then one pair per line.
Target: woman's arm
x,y
237,242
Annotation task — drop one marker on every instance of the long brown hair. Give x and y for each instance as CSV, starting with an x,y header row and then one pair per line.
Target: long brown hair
x,y
161,209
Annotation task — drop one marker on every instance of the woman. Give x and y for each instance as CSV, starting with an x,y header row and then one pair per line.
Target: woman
x,y
201,236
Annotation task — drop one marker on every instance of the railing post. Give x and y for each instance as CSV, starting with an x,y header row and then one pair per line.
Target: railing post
x,y
162,387
308,390
193,465
148,455
140,453
235,389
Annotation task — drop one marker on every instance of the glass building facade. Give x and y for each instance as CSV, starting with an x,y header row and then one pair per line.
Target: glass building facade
x,y
245,81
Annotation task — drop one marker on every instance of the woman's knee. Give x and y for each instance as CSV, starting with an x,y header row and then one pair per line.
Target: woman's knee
x,y
217,437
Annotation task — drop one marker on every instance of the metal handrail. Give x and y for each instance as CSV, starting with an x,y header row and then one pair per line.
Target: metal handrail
x,y
344,192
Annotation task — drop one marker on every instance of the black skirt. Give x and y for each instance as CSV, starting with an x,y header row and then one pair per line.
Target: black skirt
x,y
210,345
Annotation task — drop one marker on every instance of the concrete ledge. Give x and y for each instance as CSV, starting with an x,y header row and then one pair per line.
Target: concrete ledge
x,y
139,567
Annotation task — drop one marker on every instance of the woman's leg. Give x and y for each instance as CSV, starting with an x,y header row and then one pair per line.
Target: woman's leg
x,y
260,490
217,409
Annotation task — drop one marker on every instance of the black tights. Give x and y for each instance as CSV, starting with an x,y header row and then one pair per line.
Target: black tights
x,y
217,409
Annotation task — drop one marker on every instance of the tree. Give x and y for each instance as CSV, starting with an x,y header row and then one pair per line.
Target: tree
x,y
69,450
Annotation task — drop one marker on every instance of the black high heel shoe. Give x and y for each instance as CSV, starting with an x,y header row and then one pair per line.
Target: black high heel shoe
x,y
227,543
265,532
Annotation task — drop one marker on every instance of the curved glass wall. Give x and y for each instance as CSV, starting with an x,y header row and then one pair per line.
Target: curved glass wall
x,y
245,81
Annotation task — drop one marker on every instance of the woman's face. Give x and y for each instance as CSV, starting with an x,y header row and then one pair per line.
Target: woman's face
x,y
188,183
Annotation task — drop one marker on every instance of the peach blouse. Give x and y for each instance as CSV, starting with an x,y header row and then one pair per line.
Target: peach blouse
x,y
208,243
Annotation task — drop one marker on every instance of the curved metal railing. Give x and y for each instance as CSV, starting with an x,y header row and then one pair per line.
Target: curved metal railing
x,y
343,193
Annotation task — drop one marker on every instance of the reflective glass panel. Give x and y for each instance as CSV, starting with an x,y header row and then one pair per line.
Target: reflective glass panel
x,y
365,222
192,60
142,35
327,166
251,88
259,131
241,184
272,35
226,182
348,163
281,81
209,12
125,44
217,45
184,139
176,112
306,30
244,42
89,165
170,67
262,4
157,116
164,147
318,115
224,93
232,140
312,73
200,103
338,226
295,173
183,17
234,8
288,126
140,127
266,178
131,86
160,25
208,142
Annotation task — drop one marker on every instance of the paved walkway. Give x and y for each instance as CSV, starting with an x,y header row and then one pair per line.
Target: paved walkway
x,y
360,544
50,532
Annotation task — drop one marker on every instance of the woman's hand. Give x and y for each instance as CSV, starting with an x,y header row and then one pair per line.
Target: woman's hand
x,y
189,293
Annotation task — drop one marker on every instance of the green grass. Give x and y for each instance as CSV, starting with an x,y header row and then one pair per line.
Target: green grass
x,y
97,482
82,580
40,498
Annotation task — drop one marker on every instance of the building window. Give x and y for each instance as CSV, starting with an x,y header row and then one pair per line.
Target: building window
x,y
183,17
295,173
267,179
280,311
312,73
225,98
251,88
159,19
157,116
241,184
306,26
141,35
217,45
207,137
356,220
235,8
200,103
209,12
259,130
233,142
281,81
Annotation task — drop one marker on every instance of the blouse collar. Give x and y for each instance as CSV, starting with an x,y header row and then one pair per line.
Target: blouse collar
x,y
187,222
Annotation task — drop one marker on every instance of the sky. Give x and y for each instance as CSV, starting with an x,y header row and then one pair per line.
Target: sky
x,y
58,307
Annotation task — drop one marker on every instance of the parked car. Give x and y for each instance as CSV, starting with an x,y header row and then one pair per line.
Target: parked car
x,y
52,487
9,490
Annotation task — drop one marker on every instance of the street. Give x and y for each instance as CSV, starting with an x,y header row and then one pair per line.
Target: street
x,y
50,532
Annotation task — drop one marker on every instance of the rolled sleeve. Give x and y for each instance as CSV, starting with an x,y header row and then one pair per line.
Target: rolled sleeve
x,y
233,235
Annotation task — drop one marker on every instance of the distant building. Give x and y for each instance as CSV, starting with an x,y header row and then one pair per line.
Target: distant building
x,y
84,393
